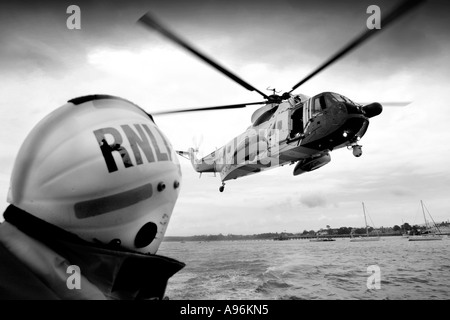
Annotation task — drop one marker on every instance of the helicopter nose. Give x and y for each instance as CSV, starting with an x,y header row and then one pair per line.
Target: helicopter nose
x,y
372,110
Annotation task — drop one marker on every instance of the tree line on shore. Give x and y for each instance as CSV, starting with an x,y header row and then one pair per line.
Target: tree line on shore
x,y
405,228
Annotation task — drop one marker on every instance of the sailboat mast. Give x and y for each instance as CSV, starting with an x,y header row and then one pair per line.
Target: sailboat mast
x,y
434,223
424,217
365,220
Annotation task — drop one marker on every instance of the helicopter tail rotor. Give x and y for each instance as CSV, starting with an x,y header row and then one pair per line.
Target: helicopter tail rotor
x,y
192,152
197,141
190,155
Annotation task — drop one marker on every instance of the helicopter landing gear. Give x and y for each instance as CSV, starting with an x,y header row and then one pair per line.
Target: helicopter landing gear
x,y
222,187
357,150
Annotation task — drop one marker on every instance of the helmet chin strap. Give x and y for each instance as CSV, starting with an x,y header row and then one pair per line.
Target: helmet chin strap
x,y
49,234
37,228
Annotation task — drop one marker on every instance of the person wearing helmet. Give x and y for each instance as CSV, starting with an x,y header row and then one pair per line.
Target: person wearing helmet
x,y
92,191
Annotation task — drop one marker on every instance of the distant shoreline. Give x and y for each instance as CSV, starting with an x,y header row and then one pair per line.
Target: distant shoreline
x,y
259,237
270,236
342,232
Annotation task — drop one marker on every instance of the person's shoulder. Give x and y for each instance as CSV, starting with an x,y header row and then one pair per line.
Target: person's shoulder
x,y
18,282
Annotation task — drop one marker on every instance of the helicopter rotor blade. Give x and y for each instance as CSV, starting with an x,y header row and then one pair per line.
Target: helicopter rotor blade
x,y
152,23
395,14
230,106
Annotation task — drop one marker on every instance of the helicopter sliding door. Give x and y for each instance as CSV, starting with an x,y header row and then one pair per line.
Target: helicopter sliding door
x,y
296,121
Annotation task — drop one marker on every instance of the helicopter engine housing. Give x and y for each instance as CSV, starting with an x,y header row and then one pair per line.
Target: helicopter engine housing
x,y
372,110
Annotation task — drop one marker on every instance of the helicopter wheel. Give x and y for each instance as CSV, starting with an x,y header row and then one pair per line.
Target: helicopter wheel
x,y
222,187
357,150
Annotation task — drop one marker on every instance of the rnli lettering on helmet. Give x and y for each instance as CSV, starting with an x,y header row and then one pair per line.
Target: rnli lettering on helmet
x,y
139,138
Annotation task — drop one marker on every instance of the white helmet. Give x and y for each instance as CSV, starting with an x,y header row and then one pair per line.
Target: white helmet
x,y
100,168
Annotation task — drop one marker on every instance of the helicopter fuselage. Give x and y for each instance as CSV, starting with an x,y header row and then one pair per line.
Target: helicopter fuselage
x,y
299,129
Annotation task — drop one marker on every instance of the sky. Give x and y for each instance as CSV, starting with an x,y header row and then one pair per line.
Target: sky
x,y
268,44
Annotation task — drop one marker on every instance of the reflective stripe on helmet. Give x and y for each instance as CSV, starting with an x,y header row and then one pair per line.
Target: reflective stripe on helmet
x,y
95,207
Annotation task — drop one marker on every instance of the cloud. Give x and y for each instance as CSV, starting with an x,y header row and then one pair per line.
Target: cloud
x,y
401,192
313,201
30,54
404,158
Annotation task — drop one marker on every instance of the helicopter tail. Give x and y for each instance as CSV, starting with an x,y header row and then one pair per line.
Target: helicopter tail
x,y
200,165
191,155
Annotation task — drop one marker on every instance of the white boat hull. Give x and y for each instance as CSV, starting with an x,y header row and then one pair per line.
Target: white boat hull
x,y
364,239
424,238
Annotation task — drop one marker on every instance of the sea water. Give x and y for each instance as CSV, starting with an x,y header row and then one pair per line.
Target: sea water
x,y
300,269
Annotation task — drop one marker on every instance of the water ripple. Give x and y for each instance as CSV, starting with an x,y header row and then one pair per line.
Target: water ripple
x,y
292,270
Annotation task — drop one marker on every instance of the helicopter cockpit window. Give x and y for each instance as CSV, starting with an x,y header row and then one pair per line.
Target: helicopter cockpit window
x,y
338,97
316,105
342,98
350,101
320,104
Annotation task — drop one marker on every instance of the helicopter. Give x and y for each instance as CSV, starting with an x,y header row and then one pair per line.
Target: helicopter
x,y
287,128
